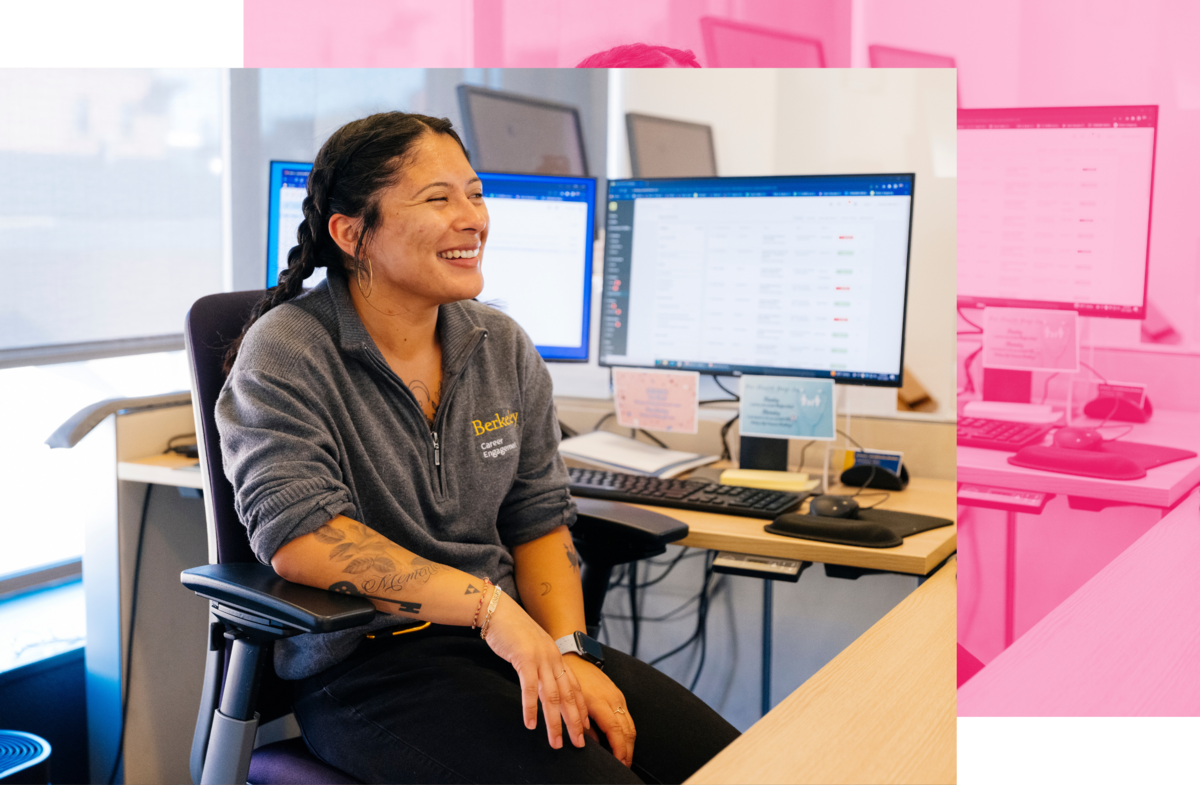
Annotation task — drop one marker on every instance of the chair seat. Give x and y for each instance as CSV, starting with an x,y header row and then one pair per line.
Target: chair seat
x,y
289,762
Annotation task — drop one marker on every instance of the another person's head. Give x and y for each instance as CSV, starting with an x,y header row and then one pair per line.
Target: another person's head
x,y
641,56
389,197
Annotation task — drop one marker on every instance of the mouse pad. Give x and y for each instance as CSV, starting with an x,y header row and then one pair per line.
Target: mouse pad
x,y
868,529
1113,461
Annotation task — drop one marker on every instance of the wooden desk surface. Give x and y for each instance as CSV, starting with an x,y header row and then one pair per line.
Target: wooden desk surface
x,y
919,554
882,711
1127,643
1161,487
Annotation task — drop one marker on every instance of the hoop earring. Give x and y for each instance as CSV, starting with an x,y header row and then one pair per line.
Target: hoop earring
x,y
358,268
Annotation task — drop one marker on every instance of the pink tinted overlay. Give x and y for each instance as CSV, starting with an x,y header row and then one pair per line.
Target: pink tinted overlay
x,y
1093,210
542,33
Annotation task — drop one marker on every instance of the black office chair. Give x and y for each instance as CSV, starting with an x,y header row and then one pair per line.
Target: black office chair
x,y
252,607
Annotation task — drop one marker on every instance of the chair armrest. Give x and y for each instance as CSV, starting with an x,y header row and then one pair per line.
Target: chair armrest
x,y
604,522
257,589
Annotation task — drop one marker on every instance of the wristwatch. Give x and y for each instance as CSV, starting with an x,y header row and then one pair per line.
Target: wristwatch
x,y
578,643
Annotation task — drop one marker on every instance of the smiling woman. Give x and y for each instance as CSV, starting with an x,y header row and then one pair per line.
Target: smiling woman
x,y
352,429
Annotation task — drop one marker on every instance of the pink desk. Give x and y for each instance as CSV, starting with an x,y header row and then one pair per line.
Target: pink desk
x,y
1127,643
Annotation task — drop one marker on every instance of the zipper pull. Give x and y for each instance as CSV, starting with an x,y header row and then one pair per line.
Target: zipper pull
x,y
437,450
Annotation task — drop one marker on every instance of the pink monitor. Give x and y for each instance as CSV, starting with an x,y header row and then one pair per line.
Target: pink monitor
x,y
1054,208
729,44
891,57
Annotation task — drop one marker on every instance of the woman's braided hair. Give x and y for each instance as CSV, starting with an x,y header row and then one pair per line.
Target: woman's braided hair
x,y
355,164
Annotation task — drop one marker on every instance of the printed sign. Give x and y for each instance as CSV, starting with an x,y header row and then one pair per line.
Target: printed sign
x,y
1129,391
1030,339
886,459
657,400
787,407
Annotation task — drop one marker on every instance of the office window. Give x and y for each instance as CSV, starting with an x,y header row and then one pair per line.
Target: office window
x,y
44,519
110,215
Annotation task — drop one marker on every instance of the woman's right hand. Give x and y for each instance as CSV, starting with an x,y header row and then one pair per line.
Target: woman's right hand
x,y
521,642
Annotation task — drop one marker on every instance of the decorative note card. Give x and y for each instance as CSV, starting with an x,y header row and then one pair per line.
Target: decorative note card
x,y
1030,339
657,400
787,407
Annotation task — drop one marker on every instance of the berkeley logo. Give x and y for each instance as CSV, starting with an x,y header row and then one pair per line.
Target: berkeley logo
x,y
496,423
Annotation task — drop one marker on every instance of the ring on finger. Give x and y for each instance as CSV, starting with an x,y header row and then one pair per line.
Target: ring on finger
x,y
619,710
559,676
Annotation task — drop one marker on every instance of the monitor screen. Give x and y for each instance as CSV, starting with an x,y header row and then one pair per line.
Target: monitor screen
x,y
506,132
662,147
1054,208
537,264
289,186
891,57
784,276
730,44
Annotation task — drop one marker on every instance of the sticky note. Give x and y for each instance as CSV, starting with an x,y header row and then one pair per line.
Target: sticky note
x,y
787,407
657,400
1030,339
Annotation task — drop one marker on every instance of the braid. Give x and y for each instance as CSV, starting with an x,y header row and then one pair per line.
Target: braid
x,y
302,260
358,161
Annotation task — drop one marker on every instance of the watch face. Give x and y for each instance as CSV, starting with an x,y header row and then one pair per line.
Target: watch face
x,y
589,647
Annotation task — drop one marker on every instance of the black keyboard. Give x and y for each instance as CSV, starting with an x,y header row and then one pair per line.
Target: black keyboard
x,y
999,434
683,494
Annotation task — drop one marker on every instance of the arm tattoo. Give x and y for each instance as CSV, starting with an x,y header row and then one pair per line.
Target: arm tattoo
x,y
346,587
545,589
572,557
360,548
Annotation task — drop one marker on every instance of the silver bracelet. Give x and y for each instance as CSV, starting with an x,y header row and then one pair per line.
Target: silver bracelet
x,y
487,620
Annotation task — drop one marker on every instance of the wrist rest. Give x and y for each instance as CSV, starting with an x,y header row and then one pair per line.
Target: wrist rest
x,y
1086,463
868,529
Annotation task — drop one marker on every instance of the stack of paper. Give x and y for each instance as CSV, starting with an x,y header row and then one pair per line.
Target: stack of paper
x,y
792,482
605,450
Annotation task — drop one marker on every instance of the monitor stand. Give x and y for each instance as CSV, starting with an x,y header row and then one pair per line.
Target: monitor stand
x,y
758,452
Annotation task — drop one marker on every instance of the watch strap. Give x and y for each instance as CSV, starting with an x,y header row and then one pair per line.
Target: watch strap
x,y
567,645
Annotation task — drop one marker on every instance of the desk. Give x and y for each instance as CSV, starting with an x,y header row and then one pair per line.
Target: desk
x,y
1127,643
1161,487
919,554
882,711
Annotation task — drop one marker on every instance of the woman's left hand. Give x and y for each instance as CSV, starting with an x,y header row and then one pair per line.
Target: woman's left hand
x,y
603,699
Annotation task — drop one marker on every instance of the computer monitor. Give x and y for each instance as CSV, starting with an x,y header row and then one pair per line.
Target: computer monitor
x,y
662,147
1054,208
894,57
783,276
730,44
506,132
537,264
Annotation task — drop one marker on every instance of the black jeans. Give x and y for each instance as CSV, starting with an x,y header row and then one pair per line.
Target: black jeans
x,y
440,706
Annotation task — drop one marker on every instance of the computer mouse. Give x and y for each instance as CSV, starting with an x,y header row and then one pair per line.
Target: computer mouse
x,y
831,506
1077,438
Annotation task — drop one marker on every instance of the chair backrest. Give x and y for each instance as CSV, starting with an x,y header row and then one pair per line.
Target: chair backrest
x,y
211,325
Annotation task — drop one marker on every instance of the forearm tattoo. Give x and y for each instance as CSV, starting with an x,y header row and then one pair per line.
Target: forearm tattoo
x,y
572,557
361,551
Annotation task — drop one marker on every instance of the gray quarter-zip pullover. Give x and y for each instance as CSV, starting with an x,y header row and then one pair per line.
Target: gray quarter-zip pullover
x,y
315,424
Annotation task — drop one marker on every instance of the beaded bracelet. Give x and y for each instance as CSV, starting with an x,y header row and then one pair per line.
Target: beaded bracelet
x,y
486,583
491,608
